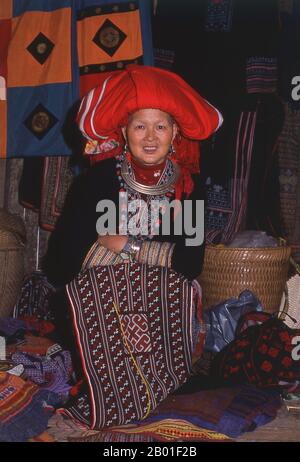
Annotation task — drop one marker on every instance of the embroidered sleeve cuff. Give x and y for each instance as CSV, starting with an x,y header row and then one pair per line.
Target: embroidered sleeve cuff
x,y
155,253
100,255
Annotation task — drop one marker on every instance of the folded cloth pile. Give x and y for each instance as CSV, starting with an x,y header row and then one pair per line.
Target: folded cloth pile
x,y
24,408
52,372
230,411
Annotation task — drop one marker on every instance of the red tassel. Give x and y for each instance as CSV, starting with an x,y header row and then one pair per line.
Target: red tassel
x,y
76,388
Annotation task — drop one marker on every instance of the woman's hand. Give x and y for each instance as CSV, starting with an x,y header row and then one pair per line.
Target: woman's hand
x,y
114,243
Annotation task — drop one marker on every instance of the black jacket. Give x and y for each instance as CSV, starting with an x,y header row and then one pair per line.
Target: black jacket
x,y
76,228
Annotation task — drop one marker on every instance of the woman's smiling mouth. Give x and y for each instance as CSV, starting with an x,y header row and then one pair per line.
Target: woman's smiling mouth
x,y
150,149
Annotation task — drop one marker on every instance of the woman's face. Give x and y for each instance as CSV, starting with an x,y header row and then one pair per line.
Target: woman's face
x,y
149,135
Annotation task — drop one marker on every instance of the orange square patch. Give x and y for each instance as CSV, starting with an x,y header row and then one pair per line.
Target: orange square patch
x,y
109,38
40,49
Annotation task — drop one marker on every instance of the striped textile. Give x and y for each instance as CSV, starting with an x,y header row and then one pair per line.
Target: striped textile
x,y
100,255
165,430
230,411
206,415
243,154
134,330
227,205
261,74
152,252
57,179
156,253
15,393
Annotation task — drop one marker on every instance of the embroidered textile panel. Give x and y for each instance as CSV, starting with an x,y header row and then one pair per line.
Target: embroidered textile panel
x,y
38,78
109,37
227,206
135,339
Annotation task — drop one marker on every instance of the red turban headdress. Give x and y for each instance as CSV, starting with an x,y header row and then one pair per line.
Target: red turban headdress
x,y
105,109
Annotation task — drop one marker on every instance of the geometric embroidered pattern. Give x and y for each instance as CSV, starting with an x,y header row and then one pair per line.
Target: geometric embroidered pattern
x,y
137,307
137,333
41,48
109,37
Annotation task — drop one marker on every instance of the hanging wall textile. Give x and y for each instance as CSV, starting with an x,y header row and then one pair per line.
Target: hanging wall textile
x,y
227,206
135,339
288,156
261,74
57,179
244,147
43,187
218,211
44,48
38,78
218,16
109,37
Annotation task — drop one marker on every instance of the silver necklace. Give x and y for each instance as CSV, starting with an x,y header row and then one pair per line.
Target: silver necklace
x,y
154,190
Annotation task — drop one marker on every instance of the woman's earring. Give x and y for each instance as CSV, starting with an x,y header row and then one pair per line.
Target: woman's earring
x,y
125,148
172,150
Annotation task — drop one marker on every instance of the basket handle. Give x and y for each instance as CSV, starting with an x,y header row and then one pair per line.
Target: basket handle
x,y
282,242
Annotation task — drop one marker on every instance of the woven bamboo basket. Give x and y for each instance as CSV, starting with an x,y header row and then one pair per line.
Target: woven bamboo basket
x,y
12,247
227,271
